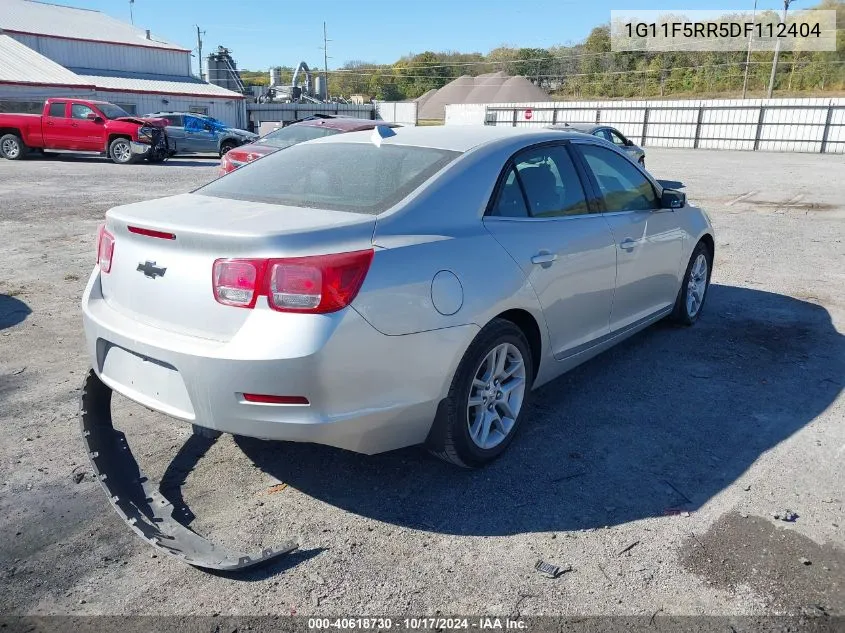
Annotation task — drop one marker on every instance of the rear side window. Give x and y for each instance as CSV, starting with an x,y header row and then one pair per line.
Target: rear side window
x,y
57,109
510,202
623,186
356,177
546,181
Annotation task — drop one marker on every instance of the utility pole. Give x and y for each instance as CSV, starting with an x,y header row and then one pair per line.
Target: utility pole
x,y
131,13
199,48
786,4
326,61
748,55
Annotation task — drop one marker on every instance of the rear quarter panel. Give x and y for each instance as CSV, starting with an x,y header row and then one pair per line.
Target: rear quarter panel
x,y
27,125
441,229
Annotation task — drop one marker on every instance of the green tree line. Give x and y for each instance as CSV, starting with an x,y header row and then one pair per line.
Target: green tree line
x,y
590,70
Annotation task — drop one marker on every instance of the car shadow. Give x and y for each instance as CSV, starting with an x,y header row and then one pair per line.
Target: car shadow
x,y
12,311
658,425
194,161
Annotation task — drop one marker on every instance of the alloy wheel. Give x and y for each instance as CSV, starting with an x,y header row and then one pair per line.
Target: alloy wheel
x,y
697,285
122,152
11,149
496,396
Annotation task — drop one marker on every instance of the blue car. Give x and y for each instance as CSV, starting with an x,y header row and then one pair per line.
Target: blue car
x,y
189,133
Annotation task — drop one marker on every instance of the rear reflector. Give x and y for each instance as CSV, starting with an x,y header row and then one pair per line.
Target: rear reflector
x,y
151,233
265,399
105,248
316,284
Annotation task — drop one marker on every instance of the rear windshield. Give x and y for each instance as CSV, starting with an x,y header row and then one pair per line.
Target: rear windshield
x,y
356,177
294,134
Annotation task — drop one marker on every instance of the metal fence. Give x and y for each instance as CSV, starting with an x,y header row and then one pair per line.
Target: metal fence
x,y
787,125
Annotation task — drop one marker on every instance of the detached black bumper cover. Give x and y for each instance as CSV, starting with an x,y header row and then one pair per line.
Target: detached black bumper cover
x,y
138,502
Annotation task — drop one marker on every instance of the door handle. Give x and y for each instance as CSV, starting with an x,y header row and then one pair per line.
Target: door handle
x,y
544,258
628,244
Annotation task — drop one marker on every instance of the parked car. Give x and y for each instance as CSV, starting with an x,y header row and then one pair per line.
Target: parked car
x,y
608,133
83,126
191,133
379,289
305,130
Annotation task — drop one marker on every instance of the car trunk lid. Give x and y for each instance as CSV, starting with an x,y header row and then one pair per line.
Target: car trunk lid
x,y
164,251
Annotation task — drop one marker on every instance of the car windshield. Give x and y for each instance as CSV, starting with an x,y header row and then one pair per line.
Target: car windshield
x,y
294,134
356,177
112,111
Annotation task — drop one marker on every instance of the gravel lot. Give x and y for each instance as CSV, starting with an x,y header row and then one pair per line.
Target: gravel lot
x,y
654,470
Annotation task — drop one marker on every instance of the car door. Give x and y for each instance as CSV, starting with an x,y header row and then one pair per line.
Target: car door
x,y
648,238
56,126
541,215
87,135
199,138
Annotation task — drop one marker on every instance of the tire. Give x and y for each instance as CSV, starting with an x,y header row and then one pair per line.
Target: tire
x,y
120,151
12,147
226,147
686,312
454,438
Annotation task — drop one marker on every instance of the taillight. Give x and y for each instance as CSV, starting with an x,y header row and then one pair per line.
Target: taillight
x,y
226,165
105,248
316,284
325,283
236,281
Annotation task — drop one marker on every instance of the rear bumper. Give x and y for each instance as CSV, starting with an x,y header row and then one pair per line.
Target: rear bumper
x,y
367,392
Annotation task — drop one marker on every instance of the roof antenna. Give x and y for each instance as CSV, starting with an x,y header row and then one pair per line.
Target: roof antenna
x,y
381,132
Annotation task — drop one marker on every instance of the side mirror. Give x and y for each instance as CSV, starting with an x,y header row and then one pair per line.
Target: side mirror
x,y
96,118
673,199
628,142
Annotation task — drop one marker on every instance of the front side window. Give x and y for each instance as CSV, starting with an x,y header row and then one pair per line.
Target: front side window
x,y
354,177
80,111
546,180
623,186
57,109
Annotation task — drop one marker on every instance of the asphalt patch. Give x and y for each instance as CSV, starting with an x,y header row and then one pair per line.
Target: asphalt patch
x,y
772,562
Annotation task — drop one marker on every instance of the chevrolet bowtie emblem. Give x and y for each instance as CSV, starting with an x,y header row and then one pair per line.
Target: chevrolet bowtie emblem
x,y
151,270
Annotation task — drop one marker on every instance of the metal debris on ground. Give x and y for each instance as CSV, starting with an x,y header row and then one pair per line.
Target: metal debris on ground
x,y
628,548
552,571
747,488
139,501
785,515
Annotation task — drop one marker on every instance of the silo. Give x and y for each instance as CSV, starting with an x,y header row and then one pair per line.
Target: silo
x,y
275,76
320,87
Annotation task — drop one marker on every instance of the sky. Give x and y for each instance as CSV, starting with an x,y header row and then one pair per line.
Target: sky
x,y
265,33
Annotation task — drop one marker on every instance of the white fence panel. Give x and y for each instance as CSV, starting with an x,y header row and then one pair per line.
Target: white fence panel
x,y
785,125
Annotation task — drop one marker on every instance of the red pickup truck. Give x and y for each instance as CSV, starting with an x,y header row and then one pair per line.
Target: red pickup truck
x,y
80,125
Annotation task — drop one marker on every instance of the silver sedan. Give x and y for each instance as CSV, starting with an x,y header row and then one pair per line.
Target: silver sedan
x,y
386,288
